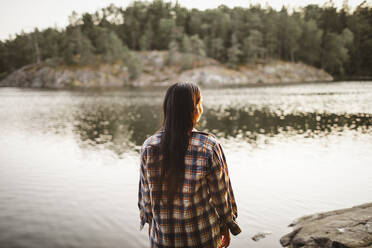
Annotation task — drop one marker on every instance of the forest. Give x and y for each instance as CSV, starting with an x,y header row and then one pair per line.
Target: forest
x,y
337,40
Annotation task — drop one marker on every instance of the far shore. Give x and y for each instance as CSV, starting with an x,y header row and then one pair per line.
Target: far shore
x,y
149,87
156,71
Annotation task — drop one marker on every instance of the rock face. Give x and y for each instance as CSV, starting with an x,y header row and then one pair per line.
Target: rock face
x,y
157,72
344,228
271,73
45,76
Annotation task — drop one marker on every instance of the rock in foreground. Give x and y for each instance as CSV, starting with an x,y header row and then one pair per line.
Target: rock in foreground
x,y
344,228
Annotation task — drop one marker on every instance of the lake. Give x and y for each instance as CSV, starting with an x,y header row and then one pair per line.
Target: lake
x,y
69,163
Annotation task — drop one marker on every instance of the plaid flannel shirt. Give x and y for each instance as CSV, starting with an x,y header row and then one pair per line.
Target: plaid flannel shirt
x,y
205,204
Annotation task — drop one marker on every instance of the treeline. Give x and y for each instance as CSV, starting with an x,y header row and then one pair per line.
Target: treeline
x,y
339,41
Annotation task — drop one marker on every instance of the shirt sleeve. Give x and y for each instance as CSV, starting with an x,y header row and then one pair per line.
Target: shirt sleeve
x,y
221,191
144,202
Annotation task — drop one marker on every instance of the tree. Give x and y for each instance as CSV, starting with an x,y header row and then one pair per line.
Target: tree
x,y
233,52
134,65
335,53
188,59
109,46
3,67
310,43
186,44
130,31
145,42
253,46
19,52
294,33
289,33
270,34
87,27
166,27
222,25
35,41
74,19
197,46
330,20
360,24
77,47
195,22
50,45
313,12
173,53
217,49
340,41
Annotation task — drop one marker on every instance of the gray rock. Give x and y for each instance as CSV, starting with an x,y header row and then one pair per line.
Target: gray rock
x,y
156,72
344,228
260,235
61,77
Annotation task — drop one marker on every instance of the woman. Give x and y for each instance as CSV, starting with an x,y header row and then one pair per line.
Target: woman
x,y
185,193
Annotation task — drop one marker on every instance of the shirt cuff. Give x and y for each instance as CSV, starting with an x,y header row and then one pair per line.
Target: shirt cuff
x,y
233,226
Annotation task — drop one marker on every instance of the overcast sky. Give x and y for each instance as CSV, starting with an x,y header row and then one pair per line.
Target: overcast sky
x,y
18,15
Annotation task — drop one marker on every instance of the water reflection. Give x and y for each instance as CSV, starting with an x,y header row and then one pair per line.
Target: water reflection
x,y
249,121
117,127
123,128
53,193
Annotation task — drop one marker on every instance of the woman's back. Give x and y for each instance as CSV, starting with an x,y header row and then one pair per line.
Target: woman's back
x,y
203,204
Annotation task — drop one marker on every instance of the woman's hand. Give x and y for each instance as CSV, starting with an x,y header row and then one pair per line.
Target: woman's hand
x,y
225,233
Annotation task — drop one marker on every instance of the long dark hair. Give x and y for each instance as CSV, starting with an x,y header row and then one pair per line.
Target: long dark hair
x,y
179,112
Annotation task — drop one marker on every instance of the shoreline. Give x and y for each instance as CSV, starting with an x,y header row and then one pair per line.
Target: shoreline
x,y
157,72
135,87
353,79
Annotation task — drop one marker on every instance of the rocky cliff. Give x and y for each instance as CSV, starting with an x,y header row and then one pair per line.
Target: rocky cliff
x,y
158,71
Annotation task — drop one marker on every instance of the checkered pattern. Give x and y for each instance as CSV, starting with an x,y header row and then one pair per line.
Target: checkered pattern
x,y
205,204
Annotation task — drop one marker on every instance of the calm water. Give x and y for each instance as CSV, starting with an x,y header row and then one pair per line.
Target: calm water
x,y
69,162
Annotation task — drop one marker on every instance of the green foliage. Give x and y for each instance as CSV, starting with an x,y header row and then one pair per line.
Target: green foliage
x,y
188,58
253,46
233,52
339,41
145,40
186,44
110,46
134,64
335,52
78,49
347,37
289,33
310,42
173,53
166,27
49,43
197,46
217,49
270,33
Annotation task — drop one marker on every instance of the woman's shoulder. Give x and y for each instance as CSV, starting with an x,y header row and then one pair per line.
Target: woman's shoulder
x,y
204,138
199,138
153,140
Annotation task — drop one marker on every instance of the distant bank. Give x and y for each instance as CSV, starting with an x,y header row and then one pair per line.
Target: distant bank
x,y
159,68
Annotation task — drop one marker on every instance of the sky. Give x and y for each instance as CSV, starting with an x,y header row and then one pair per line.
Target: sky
x,y
25,15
